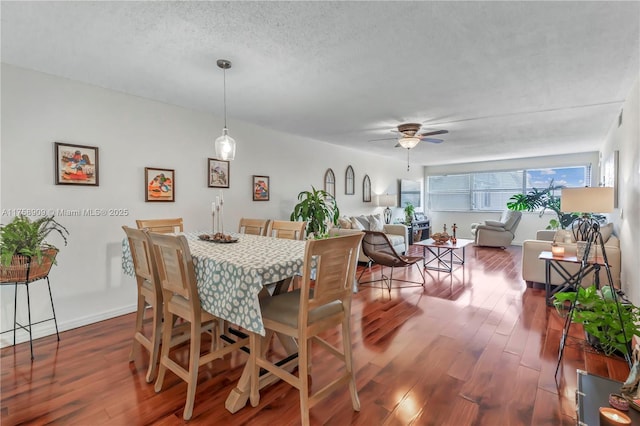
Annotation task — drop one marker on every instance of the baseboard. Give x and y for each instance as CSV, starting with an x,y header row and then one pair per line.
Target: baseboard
x,y
48,328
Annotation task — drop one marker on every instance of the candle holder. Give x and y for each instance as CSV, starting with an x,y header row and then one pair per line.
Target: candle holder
x,y
557,251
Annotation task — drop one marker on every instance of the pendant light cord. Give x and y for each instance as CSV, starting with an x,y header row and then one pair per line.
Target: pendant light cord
x,y
224,96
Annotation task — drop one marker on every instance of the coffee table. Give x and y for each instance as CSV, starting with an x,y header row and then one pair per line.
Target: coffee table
x,y
444,255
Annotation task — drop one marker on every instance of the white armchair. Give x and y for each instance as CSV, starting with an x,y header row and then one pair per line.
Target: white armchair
x,y
497,233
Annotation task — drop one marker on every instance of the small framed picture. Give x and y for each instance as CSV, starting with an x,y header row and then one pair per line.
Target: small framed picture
x,y
159,184
76,164
218,173
261,188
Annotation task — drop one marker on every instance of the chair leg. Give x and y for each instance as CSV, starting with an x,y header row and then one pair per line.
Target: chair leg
x,y
164,354
29,313
194,358
15,312
348,359
255,341
156,336
303,376
55,321
139,320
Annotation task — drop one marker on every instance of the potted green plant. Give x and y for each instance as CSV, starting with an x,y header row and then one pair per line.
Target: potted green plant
x,y
318,208
23,240
409,211
543,199
597,311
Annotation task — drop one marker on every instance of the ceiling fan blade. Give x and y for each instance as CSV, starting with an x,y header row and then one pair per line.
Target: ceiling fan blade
x,y
435,132
383,139
432,140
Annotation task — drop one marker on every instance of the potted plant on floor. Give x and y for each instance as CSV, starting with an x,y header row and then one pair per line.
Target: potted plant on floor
x,y
23,247
597,311
319,209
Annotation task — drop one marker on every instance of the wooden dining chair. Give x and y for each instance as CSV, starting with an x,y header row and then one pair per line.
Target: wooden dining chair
x,y
177,277
377,247
253,226
149,293
329,266
161,226
286,229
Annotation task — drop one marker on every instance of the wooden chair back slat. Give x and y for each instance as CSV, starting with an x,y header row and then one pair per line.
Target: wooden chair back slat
x,y
286,229
253,226
161,226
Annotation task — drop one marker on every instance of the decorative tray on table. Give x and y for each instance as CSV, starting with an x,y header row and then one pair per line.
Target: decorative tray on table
x,y
218,238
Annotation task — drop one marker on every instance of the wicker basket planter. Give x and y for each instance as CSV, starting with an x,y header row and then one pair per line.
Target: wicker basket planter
x,y
26,268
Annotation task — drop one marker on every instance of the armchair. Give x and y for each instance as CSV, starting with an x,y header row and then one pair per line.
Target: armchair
x,y
499,233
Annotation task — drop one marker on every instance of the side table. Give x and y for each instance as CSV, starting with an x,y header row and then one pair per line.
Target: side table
x,y
569,280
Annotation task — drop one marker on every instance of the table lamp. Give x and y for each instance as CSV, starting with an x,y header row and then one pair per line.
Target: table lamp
x,y
586,201
387,201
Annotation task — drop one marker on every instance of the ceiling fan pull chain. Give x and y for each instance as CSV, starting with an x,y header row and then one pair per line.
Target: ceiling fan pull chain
x,y
408,164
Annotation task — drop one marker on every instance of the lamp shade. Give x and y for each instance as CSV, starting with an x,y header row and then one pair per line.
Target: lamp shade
x,y
408,142
387,200
587,200
225,146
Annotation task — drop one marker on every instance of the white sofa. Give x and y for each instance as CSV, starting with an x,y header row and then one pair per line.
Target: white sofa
x,y
533,269
398,234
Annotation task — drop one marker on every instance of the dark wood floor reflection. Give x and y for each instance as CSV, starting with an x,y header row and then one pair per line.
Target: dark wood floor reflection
x,y
475,347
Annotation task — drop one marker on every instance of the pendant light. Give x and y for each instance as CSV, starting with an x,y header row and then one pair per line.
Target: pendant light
x,y
225,144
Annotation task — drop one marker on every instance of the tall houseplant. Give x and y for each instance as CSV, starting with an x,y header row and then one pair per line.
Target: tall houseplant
x,y
25,237
543,199
318,208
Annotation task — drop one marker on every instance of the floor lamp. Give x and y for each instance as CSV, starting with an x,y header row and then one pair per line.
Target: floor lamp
x,y
387,201
587,201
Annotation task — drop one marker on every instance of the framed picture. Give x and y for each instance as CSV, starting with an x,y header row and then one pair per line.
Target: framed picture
x,y
159,184
261,188
76,164
349,181
366,189
218,173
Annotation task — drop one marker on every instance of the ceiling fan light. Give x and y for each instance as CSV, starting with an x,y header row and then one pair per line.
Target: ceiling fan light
x,y
408,142
225,146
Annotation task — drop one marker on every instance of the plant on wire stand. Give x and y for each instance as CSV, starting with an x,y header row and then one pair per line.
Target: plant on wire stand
x,y
25,237
318,208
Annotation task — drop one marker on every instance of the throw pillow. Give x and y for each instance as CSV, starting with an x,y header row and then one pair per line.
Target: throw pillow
x,y
606,231
364,221
563,236
344,222
376,223
356,224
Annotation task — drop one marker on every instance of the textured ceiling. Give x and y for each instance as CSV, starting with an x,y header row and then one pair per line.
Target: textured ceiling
x,y
507,79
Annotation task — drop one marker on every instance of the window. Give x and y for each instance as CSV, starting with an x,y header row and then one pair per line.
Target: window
x,y
489,191
330,182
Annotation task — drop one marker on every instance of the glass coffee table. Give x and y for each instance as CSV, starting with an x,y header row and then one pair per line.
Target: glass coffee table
x,y
444,255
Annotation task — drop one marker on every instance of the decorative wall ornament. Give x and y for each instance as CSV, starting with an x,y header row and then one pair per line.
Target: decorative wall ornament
x,y
349,181
330,182
366,189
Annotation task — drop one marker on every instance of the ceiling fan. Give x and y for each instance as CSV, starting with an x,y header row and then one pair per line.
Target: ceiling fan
x,y
410,137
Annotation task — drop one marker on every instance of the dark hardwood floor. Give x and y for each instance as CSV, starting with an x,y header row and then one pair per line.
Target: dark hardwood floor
x,y
474,347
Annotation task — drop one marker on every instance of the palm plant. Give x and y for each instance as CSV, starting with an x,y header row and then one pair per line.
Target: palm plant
x,y
543,199
22,236
318,208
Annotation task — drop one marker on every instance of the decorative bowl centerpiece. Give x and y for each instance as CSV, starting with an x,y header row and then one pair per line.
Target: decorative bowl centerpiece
x,y
440,237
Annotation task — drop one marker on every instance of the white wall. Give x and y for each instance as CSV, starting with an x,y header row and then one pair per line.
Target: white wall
x,y
131,133
626,219
531,222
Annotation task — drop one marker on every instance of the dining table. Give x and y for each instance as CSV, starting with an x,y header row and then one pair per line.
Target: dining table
x,y
231,278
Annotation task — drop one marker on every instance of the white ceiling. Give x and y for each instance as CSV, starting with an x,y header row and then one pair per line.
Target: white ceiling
x,y
507,79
